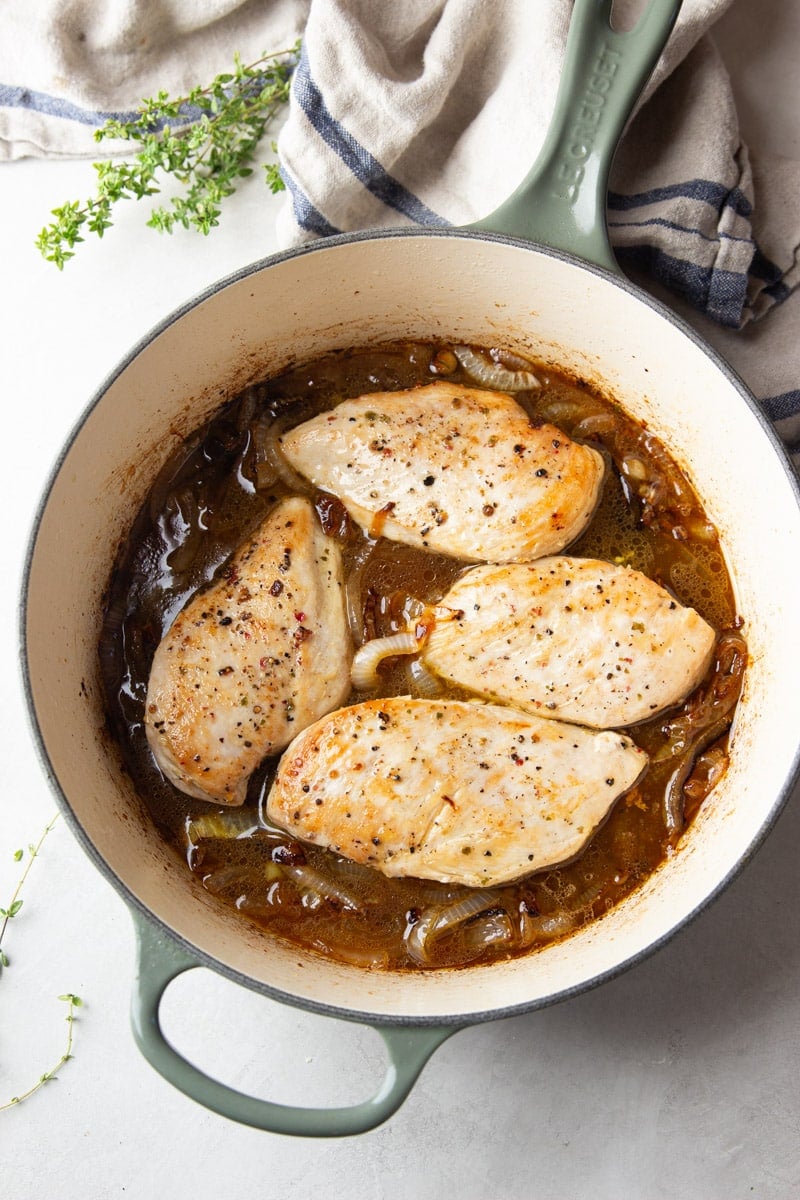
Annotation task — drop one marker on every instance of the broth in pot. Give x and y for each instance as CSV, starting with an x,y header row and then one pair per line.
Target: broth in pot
x,y
230,477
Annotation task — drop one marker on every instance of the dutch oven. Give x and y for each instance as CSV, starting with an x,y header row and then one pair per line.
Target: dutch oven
x,y
537,276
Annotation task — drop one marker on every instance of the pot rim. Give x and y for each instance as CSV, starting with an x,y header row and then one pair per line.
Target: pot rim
x,y
198,954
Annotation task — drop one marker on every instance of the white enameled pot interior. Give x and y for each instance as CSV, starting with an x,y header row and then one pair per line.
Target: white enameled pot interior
x,y
353,292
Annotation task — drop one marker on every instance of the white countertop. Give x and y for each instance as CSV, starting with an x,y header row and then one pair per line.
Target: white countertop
x,y
678,1080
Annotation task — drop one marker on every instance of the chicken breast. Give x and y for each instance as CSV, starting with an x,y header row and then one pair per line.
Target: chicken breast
x,y
467,793
252,659
573,638
458,470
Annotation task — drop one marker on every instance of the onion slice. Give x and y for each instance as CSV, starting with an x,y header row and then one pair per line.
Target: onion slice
x,y
546,928
270,460
367,659
352,590
425,683
492,928
434,923
595,423
225,879
316,888
238,823
492,374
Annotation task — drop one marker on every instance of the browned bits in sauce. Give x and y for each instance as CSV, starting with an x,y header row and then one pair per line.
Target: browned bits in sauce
x,y
209,499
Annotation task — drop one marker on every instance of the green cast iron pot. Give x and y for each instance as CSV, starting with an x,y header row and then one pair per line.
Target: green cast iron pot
x,y
538,276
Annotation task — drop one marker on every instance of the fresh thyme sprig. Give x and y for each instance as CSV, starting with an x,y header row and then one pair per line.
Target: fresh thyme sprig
x,y
206,140
8,914
15,903
73,1002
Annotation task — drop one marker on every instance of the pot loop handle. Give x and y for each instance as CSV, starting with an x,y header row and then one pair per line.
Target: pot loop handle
x,y
562,200
160,959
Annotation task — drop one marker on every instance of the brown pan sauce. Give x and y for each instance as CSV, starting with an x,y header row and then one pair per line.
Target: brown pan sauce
x,y
220,485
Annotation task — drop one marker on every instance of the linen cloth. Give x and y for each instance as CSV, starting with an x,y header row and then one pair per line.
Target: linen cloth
x,y
430,112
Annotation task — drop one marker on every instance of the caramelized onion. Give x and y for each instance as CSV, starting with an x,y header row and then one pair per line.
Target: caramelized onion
x,y
633,468
546,927
492,374
561,412
593,425
568,412
444,362
436,922
709,768
271,463
236,823
353,589
425,682
226,879
366,958
352,872
489,929
673,796
709,710
315,888
367,659
705,718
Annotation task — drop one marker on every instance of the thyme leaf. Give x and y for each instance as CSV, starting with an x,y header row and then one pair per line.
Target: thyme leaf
x,y
15,903
207,141
74,1002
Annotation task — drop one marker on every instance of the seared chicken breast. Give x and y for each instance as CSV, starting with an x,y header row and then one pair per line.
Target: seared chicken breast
x,y
252,659
574,638
457,470
468,793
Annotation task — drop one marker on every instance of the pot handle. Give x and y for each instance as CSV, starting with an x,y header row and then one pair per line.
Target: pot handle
x,y
562,200
160,959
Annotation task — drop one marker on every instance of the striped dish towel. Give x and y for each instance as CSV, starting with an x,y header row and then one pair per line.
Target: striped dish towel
x,y
67,66
431,112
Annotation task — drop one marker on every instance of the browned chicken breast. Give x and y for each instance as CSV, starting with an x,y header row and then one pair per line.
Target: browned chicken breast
x,y
467,793
574,638
252,659
453,469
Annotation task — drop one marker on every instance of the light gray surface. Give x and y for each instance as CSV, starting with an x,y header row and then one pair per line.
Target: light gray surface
x,y
677,1080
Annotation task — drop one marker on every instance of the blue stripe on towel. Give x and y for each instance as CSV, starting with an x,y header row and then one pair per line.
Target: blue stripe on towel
x,y
765,270
771,275
705,190
720,294
54,106
667,224
364,166
778,408
305,214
